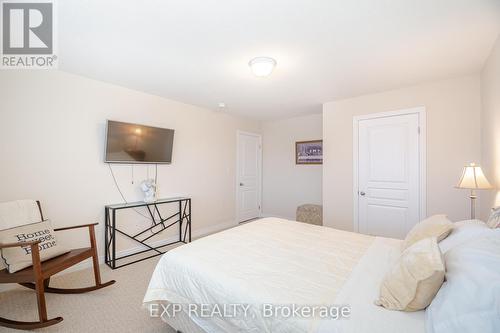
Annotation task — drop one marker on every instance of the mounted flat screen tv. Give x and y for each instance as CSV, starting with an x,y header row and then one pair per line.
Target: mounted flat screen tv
x,y
133,143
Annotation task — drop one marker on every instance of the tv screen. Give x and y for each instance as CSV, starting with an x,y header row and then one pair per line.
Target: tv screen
x,y
133,143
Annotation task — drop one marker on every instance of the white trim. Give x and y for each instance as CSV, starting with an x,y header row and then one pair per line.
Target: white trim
x,y
422,123
278,217
355,172
259,182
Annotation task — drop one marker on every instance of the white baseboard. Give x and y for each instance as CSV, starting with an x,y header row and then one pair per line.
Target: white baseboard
x,y
279,217
88,263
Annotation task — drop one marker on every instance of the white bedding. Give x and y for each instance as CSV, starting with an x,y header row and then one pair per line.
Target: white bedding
x,y
362,288
274,261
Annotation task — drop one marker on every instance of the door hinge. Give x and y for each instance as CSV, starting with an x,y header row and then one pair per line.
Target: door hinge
x,y
418,129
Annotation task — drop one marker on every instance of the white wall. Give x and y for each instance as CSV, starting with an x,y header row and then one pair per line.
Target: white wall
x,y
52,127
490,120
285,184
453,139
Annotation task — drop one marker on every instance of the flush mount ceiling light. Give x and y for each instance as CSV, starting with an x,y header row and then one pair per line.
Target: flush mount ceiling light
x,y
262,66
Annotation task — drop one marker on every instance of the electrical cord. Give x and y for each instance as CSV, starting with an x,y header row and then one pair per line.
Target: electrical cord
x,y
123,196
156,175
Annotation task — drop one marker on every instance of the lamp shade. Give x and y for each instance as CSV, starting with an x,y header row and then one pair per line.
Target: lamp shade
x,y
473,178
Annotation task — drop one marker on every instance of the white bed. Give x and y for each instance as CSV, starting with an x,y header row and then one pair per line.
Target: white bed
x,y
275,261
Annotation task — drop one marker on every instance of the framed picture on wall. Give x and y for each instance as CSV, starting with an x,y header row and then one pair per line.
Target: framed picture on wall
x,y
309,152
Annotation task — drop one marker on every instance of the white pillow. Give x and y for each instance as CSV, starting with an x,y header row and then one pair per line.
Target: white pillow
x,y
463,231
469,300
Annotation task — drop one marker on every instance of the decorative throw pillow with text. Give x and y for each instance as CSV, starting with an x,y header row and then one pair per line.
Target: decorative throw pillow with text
x,y
17,258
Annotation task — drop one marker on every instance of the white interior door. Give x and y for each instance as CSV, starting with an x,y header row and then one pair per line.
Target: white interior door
x,y
389,174
248,180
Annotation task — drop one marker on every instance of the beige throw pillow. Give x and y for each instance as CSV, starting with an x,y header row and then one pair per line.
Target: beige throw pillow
x,y
494,219
415,278
435,226
17,258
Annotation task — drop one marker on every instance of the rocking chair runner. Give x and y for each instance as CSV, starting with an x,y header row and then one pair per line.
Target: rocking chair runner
x,y
38,276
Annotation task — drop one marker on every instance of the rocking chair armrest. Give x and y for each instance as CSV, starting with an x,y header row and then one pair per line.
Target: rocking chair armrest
x,y
4,246
76,226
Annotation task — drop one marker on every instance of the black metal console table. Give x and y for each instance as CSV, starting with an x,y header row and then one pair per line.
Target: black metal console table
x,y
158,224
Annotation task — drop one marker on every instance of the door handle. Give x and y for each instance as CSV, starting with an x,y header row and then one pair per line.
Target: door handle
x,y
241,184
362,193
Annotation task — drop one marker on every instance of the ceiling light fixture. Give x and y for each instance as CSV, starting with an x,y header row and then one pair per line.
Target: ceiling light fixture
x,y
262,66
222,105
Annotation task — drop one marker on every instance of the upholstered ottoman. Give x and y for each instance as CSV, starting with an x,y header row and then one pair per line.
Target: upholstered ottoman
x,y
308,213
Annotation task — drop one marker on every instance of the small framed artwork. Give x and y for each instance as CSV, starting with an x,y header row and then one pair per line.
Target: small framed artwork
x,y
309,152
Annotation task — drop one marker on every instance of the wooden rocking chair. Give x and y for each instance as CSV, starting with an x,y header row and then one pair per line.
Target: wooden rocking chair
x,y
38,276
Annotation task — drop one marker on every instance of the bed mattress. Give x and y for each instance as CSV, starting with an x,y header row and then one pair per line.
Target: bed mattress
x,y
272,263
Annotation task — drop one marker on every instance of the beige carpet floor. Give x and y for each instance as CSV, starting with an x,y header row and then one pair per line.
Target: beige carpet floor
x,y
113,309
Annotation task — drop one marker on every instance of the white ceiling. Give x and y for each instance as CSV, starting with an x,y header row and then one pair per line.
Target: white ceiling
x,y
197,51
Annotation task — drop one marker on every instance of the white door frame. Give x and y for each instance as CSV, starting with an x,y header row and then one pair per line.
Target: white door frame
x,y
237,182
420,111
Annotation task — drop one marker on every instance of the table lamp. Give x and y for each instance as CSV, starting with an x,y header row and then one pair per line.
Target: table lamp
x,y
473,179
